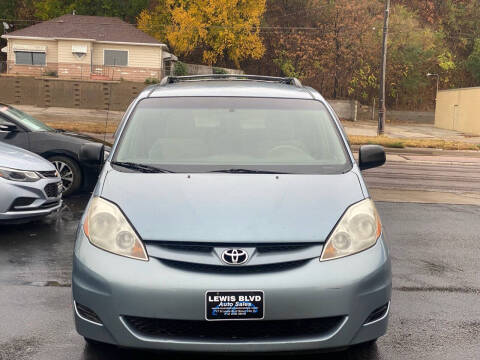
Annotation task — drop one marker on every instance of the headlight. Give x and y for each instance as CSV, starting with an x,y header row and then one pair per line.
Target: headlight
x,y
358,229
19,175
107,228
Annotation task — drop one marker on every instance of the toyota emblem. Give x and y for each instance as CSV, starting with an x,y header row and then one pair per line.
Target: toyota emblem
x,y
234,256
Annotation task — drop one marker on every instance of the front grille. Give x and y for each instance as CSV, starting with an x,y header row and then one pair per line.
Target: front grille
x,y
282,248
226,269
188,248
51,190
49,174
209,247
233,330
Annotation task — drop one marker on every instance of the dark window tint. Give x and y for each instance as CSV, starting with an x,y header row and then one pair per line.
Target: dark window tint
x,y
115,58
30,58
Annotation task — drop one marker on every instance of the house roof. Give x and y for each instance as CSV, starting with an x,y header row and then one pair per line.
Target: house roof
x,y
97,28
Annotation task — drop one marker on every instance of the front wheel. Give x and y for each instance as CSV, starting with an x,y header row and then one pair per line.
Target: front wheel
x,y
69,172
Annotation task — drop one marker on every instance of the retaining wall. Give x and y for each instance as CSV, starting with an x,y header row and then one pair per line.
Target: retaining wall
x,y
45,92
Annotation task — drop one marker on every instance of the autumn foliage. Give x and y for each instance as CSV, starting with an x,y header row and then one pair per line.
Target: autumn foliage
x,y
222,28
332,45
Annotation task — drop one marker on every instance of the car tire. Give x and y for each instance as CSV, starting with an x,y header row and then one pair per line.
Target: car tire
x,y
70,173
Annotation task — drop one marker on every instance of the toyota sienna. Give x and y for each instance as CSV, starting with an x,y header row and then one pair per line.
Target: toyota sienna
x,y
231,216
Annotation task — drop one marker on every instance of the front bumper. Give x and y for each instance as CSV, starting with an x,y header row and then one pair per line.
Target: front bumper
x,y
113,287
40,203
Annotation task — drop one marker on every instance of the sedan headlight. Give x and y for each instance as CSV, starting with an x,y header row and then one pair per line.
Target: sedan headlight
x,y
107,228
358,229
19,175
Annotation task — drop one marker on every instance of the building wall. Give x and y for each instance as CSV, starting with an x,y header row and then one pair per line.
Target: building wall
x,y
51,57
143,61
71,65
138,55
457,109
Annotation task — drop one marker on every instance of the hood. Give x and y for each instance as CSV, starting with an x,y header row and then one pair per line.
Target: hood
x,y
16,158
76,137
232,207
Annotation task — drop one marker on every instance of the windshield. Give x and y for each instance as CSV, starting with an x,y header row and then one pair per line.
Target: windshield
x,y
202,134
24,119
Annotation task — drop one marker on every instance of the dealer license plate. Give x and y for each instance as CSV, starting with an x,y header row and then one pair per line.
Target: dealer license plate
x,y
234,305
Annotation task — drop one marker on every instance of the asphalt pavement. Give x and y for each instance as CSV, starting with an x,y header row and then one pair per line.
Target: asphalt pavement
x,y
435,312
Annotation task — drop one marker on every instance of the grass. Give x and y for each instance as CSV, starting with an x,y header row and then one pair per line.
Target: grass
x,y
413,143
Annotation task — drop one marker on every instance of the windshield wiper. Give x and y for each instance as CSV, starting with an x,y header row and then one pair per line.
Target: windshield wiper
x,y
246,171
140,167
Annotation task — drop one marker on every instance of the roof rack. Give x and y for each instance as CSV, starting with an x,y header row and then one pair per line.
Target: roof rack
x,y
282,80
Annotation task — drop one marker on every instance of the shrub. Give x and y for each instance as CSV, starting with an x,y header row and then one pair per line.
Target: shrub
x,y
152,80
217,70
180,69
51,73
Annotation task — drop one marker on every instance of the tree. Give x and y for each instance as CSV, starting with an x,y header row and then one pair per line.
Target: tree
x,y
322,42
125,9
225,30
473,61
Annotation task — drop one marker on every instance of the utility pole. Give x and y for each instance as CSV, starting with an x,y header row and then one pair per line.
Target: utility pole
x,y
383,71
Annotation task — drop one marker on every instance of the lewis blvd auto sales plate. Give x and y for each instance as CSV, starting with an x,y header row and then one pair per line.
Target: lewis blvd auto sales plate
x,y
234,305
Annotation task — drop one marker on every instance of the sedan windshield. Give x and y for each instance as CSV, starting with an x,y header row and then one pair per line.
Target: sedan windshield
x,y
234,135
24,119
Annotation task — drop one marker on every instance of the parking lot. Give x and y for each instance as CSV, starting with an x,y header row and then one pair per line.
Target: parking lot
x,y
434,314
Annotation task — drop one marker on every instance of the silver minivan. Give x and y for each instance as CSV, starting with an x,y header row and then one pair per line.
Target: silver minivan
x,y
231,216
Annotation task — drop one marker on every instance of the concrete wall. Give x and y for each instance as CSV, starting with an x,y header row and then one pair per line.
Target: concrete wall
x,y
197,69
45,92
345,109
459,109
419,117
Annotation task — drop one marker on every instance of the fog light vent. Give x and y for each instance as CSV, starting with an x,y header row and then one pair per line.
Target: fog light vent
x,y
87,314
22,201
377,314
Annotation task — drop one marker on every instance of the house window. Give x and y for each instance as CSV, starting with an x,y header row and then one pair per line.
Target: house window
x,y
115,57
30,58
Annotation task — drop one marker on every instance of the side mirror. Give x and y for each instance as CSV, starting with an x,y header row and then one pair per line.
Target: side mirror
x,y
8,127
370,156
92,153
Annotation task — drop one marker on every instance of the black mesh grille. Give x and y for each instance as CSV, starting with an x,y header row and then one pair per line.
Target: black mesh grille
x,y
233,330
49,205
87,313
189,248
51,190
226,269
281,248
49,174
22,201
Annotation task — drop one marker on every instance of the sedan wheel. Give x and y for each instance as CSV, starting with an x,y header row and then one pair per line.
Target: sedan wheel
x,y
69,172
